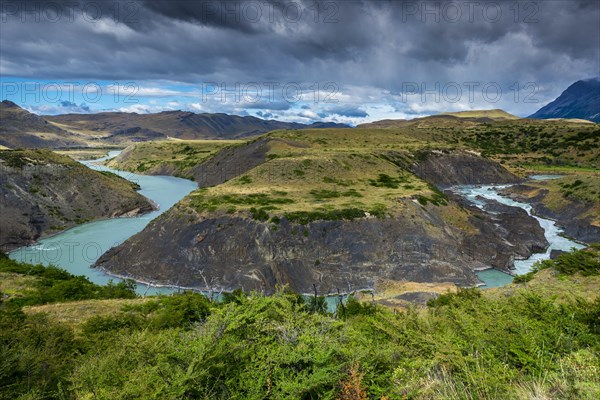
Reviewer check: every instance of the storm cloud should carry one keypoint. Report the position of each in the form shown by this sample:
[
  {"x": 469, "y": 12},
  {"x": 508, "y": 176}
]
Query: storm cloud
[{"x": 364, "y": 55}]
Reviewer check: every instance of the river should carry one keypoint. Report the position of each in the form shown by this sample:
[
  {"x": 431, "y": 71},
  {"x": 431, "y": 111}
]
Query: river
[
  {"x": 494, "y": 277},
  {"x": 78, "y": 248}
]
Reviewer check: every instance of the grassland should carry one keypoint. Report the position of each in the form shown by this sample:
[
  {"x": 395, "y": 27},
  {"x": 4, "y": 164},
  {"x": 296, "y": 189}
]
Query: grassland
[
  {"x": 177, "y": 157},
  {"x": 322, "y": 174},
  {"x": 492, "y": 114},
  {"x": 87, "y": 153}
]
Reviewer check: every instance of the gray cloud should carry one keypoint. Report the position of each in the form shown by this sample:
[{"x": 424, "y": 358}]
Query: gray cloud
[
  {"x": 379, "y": 45},
  {"x": 344, "y": 111}
]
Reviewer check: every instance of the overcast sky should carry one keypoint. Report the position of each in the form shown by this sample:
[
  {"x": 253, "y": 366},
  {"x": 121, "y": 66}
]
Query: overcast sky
[{"x": 300, "y": 60}]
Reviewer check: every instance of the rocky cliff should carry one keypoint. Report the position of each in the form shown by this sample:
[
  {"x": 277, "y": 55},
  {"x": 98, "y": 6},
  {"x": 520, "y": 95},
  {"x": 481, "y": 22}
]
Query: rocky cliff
[
  {"x": 578, "y": 217},
  {"x": 456, "y": 167},
  {"x": 43, "y": 193}
]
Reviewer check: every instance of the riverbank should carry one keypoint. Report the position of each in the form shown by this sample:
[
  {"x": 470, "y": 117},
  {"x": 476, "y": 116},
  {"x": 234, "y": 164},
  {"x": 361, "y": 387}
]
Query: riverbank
[{"x": 77, "y": 249}]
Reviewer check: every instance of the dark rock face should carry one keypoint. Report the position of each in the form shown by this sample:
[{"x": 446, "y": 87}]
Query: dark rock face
[
  {"x": 568, "y": 218},
  {"x": 231, "y": 162},
  {"x": 580, "y": 100},
  {"x": 517, "y": 227},
  {"x": 555, "y": 253},
  {"x": 417, "y": 297},
  {"x": 444, "y": 169},
  {"x": 42, "y": 193},
  {"x": 221, "y": 251}
]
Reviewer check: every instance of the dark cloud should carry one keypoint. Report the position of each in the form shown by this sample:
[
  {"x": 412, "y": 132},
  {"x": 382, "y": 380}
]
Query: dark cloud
[
  {"x": 264, "y": 115},
  {"x": 73, "y": 107},
  {"x": 380, "y": 45},
  {"x": 344, "y": 111}
]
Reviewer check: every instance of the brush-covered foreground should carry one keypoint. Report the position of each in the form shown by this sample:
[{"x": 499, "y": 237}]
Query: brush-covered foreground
[{"x": 510, "y": 343}]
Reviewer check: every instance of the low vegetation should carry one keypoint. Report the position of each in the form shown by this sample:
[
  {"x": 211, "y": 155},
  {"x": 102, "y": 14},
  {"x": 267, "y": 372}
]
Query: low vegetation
[
  {"x": 302, "y": 182},
  {"x": 340, "y": 173},
  {"x": 468, "y": 344},
  {"x": 174, "y": 157}
]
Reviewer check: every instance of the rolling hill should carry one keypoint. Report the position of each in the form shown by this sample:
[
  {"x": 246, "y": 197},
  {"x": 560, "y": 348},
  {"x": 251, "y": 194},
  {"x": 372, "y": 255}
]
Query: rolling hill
[
  {"x": 21, "y": 129},
  {"x": 495, "y": 114}
]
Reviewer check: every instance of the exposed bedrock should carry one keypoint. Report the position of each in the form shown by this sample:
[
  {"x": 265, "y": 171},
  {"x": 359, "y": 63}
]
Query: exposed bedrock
[
  {"x": 576, "y": 217},
  {"x": 455, "y": 167},
  {"x": 229, "y": 252}
]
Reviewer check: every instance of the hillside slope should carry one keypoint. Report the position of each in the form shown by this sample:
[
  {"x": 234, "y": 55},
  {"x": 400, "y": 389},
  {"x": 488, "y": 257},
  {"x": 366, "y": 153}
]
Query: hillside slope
[
  {"x": 43, "y": 193},
  {"x": 495, "y": 114},
  {"x": 21, "y": 129}
]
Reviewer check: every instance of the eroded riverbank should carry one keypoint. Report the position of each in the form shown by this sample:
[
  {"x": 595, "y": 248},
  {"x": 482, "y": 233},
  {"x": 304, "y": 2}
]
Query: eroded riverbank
[
  {"x": 78, "y": 248},
  {"x": 484, "y": 195}
]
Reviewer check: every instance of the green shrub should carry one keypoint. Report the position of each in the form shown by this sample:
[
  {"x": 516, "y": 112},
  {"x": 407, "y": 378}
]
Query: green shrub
[{"x": 387, "y": 181}]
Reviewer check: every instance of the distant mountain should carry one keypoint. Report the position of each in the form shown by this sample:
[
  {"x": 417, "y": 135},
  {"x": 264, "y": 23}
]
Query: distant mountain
[
  {"x": 581, "y": 100},
  {"x": 21, "y": 129},
  {"x": 319, "y": 125},
  {"x": 121, "y": 126}
]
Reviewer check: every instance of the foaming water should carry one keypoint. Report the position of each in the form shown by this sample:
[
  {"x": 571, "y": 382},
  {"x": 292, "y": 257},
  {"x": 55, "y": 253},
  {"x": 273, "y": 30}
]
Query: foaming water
[{"x": 553, "y": 234}]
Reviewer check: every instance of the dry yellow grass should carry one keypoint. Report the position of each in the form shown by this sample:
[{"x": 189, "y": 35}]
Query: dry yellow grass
[
  {"x": 74, "y": 313},
  {"x": 387, "y": 292},
  {"x": 16, "y": 285},
  {"x": 493, "y": 114},
  {"x": 87, "y": 154}
]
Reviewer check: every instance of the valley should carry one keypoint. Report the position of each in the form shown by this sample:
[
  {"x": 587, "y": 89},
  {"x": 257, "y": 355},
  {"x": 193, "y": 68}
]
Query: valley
[
  {"x": 44, "y": 193},
  {"x": 299, "y": 200},
  {"x": 341, "y": 209},
  {"x": 389, "y": 220}
]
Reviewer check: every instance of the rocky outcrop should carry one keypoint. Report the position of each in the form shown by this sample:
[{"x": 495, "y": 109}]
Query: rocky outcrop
[
  {"x": 457, "y": 167},
  {"x": 571, "y": 218},
  {"x": 43, "y": 193},
  {"x": 220, "y": 251}
]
